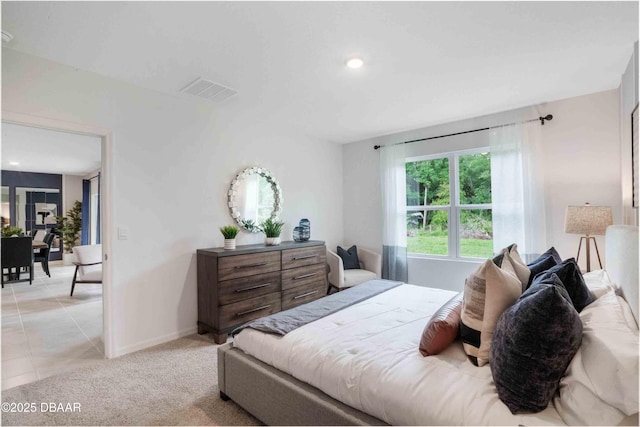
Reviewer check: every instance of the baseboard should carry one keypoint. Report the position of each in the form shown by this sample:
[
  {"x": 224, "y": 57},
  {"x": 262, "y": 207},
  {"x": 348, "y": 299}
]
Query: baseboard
[{"x": 154, "y": 341}]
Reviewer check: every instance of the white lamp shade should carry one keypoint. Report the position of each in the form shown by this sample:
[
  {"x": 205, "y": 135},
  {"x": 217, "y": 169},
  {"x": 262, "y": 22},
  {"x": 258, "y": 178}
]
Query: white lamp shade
[{"x": 587, "y": 220}]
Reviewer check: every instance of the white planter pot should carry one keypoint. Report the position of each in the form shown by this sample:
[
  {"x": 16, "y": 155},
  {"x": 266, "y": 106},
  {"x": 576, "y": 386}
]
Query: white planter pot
[
  {"x": 68, "y": 259},
  {"x": 272, "y": 241},
  {"x": 229, "y": 243}
]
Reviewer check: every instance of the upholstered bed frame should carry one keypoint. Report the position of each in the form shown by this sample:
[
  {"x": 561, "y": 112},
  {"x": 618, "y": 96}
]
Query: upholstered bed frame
[{"x": 276, "y": 398}]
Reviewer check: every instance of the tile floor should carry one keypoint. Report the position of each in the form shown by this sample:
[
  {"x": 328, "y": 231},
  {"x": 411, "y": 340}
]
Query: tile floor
[{"x": 45, "y": 331}]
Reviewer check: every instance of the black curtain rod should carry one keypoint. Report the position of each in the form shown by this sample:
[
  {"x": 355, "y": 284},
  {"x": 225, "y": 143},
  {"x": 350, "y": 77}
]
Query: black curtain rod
[{"x": 548, "y": 117}]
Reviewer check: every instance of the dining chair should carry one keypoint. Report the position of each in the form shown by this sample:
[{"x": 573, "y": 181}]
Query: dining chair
[
  {"x": 42, "y": 255},
  {"x": 17, "y": 253}
]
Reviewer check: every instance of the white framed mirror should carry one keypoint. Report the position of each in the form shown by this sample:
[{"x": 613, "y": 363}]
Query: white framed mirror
[{"x": 254, "y": 196}]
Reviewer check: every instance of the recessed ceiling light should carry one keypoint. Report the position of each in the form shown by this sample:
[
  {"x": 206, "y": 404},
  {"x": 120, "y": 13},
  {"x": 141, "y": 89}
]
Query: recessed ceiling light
[
  {"x": 355, "y": 63},
  {"x": 14, "y": 163},
  {"x": 6, "y": 36}
]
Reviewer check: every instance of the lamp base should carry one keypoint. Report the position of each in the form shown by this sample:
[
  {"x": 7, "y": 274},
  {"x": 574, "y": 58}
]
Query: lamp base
[{"x": 588, "y": 250}]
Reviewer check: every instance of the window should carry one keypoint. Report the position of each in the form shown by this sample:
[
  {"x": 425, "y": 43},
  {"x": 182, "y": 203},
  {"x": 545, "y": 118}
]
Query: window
[{"x": 449, "y": 205}]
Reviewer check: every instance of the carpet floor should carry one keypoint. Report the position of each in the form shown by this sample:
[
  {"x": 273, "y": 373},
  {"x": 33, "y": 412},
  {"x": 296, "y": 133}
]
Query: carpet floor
[{"x": 175, "y": 383}]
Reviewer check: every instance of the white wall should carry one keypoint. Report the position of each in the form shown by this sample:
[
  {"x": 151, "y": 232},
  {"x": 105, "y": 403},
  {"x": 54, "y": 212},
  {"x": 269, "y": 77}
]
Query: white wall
[
  {"x": 581, "y": 163},
  {"x": 71, "y": 191},
  {"x": 173, "y": 160}
]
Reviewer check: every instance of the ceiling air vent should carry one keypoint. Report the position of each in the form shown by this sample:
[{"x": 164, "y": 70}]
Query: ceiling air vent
[{"x": 208, "y": 90}]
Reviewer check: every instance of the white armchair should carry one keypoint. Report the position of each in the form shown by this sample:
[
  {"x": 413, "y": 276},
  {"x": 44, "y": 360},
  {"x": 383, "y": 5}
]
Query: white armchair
[
  {"x": 370, "y": 268},
  {"x": 88, "y": 265}
]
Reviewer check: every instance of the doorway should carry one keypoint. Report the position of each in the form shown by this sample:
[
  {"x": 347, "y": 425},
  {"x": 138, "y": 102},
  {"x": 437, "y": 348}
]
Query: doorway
[{"x": 45, "y": 334}]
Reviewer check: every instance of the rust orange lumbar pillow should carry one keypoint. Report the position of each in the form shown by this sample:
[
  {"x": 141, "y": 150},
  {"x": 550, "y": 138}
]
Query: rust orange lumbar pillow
[{"x": 442, "y": 328}]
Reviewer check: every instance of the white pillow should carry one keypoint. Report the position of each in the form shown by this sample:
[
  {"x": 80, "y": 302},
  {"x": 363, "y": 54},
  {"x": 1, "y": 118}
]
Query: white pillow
[
  {"x": 608, "y": 354},
  {"x": 598, "y": 282}
]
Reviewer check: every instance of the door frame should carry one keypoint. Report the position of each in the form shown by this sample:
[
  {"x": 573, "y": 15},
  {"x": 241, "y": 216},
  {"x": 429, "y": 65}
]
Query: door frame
[{"x": 106, "y": 205}]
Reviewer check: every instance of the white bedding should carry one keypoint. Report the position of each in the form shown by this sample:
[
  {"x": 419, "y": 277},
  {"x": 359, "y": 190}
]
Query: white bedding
[{"x": 367, "y": 357}]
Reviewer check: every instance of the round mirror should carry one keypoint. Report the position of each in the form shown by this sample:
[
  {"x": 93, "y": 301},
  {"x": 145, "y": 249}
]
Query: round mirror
[{"x": 254, "y": 196}]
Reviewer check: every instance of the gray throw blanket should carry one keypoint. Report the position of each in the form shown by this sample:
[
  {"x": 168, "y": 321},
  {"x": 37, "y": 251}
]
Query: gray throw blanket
[{"x": 286, "y": 321}]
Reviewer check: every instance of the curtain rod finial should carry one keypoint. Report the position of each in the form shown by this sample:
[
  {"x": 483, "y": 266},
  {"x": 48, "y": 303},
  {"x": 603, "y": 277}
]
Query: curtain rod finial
[
  {"x": 548, "y": 118},
  {"x": 375, "y": 147}
]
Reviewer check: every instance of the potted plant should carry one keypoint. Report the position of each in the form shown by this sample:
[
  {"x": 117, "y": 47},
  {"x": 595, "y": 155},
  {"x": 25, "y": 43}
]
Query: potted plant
[
  {"x": 11, "y": 231},
  {"x": 69, "y": 227},
  {"x": 229, "y": 232},
  {"x": 272, "y": 229}
]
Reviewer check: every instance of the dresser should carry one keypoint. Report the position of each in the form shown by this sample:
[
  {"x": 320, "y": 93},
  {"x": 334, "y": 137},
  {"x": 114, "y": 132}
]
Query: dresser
[{"x": 252, "y": 281}]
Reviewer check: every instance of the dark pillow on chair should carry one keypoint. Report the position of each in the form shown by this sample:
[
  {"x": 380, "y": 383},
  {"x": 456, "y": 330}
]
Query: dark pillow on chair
[
  {"x": 533, "y": 344},
  {"x": 539, "y": 265},
  {"x": 569, "y": 273},
  {"x": 349, "y": 257}
]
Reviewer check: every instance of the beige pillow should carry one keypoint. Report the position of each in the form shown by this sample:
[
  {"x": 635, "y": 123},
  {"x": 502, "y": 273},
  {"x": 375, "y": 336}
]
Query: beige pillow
[
  {"x": 443, "y": 327},
  {"x": 487, "y": 293},
  {"x": 519, "y": 266}
]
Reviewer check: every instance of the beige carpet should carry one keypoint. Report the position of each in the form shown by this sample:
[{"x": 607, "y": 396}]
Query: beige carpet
[{"x": 171, "y": 384}]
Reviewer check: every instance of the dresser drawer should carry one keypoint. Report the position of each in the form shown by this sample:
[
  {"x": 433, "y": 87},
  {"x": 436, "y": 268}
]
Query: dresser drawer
[
  {"x": 233, "y": 267},
  {"x": 248, "y": 287},
  {"x": 292, "y": 258},
  {"x": 243, "y": 311},
  {"x": 303, "y": 276},
  {"x": 302, "y": 294}
]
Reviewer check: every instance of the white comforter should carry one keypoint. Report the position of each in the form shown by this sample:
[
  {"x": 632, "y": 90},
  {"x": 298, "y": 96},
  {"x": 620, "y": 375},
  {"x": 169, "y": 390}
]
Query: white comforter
[{"x": 367, "y": 357}]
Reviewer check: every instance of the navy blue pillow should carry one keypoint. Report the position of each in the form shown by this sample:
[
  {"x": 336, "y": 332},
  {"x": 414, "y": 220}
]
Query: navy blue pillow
[
  {"x": 349, "y": 257},
  {"x": 570, "y": 275},
  {"x": 552, "y": 252},
  {"x": 540, "y": 265},
  {"x": 533, "y": 344}
]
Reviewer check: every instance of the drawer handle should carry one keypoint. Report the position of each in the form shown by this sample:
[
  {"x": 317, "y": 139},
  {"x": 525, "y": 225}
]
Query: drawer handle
[
  {"x": 250, "y": 266},
  {"x": 242, "y": 313},
  {"x": 252, "y": 287},
  {"x": 304, "y": 276},
  {"x": 306, "y": 295},
  {"x": 296, "y": 258}
]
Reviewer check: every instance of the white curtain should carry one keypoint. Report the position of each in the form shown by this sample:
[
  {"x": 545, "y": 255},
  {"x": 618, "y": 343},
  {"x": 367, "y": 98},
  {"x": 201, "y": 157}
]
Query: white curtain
[
  {"x": 517, "y": 188},
  {"x": 394, "y": 219}
]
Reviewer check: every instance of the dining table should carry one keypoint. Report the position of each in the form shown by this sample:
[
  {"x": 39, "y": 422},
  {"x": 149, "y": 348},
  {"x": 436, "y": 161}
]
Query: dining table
[{"x": 38, "y": 244}]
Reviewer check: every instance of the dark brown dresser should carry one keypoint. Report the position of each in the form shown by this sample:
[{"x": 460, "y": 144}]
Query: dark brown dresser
[{"x": 252, "y": 281}]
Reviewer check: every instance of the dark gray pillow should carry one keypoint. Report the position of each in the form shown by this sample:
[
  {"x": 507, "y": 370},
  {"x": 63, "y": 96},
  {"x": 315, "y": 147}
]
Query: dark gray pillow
[
  {"x": 569, "y": 273},
  {"x": 550, "y": 252},
  {"x": 540, "y": 265},
  {"x": 533, "y": 344},
  {"x": 349, "y": 257}
]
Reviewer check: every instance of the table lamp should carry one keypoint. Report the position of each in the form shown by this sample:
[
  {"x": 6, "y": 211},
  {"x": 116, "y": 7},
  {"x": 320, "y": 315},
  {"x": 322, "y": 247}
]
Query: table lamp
[{"x": 589, "y": 221}]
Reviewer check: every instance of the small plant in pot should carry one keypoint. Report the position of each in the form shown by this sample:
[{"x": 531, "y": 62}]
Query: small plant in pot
[
  {"x": 10, "y": 231},
  {"x": 272, "y": 229},
  {"x": 229, "y": 232}
]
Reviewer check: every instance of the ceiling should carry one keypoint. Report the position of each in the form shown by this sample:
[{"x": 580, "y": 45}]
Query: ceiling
[
  {"x": 49, "y": 151},
  {"x": 425, "y": 62}
]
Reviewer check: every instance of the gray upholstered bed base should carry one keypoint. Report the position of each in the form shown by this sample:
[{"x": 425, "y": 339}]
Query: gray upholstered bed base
[{"x": 276, "y": 398}]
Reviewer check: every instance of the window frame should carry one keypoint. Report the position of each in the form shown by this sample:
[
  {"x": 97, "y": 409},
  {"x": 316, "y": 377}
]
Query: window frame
[{"x": 453, "y": 209}]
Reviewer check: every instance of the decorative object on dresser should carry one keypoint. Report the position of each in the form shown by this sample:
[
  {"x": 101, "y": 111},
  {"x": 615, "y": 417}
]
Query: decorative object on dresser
[
  {"x": 254, "y": 196},
  {"x": 229, "y": 232},
  {"x": 589, "y": 221},
  {"x": 252, "y": 281},
  {"x": 302, "y": 232},
  {"x": 272, "y": 229}
]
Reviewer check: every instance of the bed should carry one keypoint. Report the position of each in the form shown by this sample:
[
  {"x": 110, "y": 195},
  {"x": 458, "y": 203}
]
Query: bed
[{"x": 360, "y": 366}]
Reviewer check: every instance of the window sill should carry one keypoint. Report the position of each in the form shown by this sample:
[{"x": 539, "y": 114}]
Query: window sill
[{"x": 446, "y": 258}]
